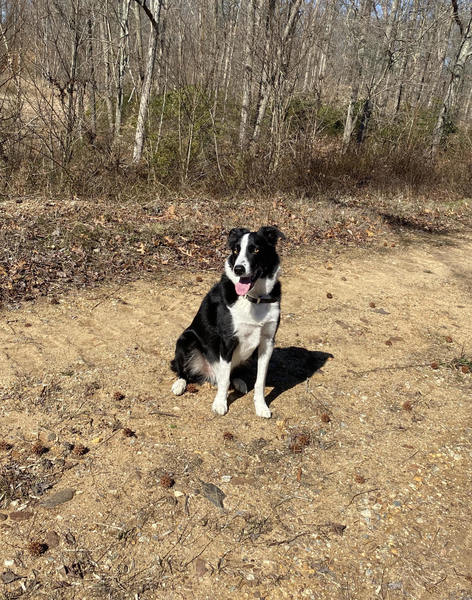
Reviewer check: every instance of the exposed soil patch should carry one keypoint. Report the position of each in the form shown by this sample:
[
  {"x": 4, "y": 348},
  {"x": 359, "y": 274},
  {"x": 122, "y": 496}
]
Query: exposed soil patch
[{"x": 358, "y": 487}]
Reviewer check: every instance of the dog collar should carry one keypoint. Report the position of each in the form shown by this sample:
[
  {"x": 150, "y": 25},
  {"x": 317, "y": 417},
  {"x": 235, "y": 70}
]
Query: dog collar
[{"x": 261, "y": 299}]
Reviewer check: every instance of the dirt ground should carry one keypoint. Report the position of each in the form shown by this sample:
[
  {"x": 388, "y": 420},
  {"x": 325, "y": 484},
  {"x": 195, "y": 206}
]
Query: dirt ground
[{"x": 358, "y": 487}]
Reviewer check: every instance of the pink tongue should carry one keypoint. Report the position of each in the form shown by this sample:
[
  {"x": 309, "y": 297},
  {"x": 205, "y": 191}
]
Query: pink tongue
[{"x": 242, "y": 288}]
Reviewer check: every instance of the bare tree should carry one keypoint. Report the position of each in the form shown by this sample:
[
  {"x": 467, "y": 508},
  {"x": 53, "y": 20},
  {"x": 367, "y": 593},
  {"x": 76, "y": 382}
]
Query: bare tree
[
  {"x": 123, "y": 17},
  {"x": 155, "y": 11},
  {"x": 276, "y": 57},
  {"x": 251, "y": 25},
  {"x": 228, "y": 76},
  {"x": 464, "y": 51}
]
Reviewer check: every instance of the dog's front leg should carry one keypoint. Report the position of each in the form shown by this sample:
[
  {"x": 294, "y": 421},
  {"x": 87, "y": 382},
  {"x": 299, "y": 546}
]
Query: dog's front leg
[
  {"x": 220, "y": 403},
  {"x": 264, "y": 353}
]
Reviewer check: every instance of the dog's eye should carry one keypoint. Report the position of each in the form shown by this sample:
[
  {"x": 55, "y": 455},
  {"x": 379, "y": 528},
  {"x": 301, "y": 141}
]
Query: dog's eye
[
  {"x": 255, "y": 251},
  {"x": 235, "y": 250}
]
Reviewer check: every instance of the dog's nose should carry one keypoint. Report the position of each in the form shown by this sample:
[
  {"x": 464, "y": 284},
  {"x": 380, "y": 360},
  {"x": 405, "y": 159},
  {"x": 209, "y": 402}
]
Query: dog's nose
[{"x": 239, "y": 270}]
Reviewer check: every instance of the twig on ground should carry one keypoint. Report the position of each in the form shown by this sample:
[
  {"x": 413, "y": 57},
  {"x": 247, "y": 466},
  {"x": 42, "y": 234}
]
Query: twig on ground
[
  {"x": 164, "y": 414},
  {"x": 289, "y": 540},
  {"x": 360, "y": 494}
]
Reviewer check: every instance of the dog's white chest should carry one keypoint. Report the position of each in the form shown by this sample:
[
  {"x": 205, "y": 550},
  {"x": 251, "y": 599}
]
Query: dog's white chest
[{"x": 251, "y": 322}]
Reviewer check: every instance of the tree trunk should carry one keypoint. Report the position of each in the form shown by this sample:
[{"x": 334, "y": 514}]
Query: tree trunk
[
  {"x": 107, "y": 71},
  {"x": 448, "y": 105},
  {"x": 122, "y": 63},
  {"x": 93, "y": 81},
  {"x": 248, "y": 53},
  {"x": 278, "y": 66},
  {"x": 157, "y": 8},
  {"x": 360, "y": 27}
]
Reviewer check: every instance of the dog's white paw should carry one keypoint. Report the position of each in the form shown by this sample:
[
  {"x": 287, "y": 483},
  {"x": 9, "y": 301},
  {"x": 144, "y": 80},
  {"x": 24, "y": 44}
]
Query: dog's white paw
[
  {"x": 220, "y": 407},
  {"x": 179, "y": 387},
  {"x": 240, "y": 386},
  {"x": 262, "y": 410}
]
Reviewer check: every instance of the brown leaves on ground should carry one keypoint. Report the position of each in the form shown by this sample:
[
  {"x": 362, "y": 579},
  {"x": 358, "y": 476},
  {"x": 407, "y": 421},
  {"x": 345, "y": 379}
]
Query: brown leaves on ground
[
  {"x": 36, "y": 548},
  {"x": 80, "y": 450},
  {"x": 91, "y": 241},
  {"x": 298, "y": 441},
  {"x": 166, "y": 481},
  {"x": 38, "y": 448},
  {"x": 127, "y": 432}
]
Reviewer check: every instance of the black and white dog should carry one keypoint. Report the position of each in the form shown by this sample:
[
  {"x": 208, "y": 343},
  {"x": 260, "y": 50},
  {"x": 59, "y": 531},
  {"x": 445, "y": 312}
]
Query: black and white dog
[{"x": 240, "y": 314}]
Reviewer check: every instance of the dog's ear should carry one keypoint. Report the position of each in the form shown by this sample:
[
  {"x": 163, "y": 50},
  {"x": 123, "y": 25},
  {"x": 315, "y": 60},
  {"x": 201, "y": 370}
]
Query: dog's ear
[
  {"x": 235, "y": 234},
  {"x": 271, "y": 234}
]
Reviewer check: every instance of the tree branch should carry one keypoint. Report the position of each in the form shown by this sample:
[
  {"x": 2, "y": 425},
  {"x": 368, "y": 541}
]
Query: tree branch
[
  {"x": 148, "y": 11},
  {"x": 457, "y": 19}
]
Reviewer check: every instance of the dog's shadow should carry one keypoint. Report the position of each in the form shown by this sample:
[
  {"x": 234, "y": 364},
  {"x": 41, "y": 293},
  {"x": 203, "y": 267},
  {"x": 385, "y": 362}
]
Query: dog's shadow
[{"x": 287, "y": 368}]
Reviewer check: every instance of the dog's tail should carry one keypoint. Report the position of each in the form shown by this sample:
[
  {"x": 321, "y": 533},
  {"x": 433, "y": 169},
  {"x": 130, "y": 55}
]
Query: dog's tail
[{"x": 187, "y": 343}]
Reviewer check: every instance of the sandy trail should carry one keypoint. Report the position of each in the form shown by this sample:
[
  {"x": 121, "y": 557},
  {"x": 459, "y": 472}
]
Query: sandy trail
[{"x": 377, "y": 505}]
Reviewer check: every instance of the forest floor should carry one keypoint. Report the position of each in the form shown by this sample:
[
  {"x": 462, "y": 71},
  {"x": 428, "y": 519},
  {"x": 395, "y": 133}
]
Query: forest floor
[{"x": 358, "y": 487}]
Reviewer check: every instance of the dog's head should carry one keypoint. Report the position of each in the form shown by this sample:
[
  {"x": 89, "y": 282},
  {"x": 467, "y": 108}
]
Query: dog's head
[{"x": 253, "y": 256}]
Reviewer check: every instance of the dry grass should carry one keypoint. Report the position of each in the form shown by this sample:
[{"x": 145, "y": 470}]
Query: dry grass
[{"x": 47, "y": 246}]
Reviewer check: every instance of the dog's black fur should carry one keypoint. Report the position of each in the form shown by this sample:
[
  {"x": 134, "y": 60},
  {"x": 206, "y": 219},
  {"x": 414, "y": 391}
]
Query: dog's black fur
[{"x": 212, "y": 330}]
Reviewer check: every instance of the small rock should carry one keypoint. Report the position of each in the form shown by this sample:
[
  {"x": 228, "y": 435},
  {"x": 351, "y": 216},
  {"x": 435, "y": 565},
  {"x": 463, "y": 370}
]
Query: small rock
[
  {"x": 20, "y": 515},
  {"x": 67, "y": 448},
  {"x": 381, "y": 311},
  {"x": 9, "y": 576},
  {"x": 70, "y": 539},
  {"x": 226, "y": 478},
  {"x": 243, "y": 481},
  {"x": 3, "y": 517},
  {"x": 200, "y": 567},
  {"x": 337, "y": 528},
  {"x": 213, "y": 494},
  {"x": 59, "y": 498},
  {"x": 52, "y": 539},
  {"x": 395, "y": 585},
  {"x": 367, "y": 514}
]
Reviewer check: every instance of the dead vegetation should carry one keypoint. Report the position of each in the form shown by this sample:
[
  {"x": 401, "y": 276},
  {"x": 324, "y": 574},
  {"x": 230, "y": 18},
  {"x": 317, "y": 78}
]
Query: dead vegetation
[{"x": 47, "y": 247}]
